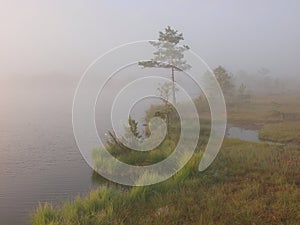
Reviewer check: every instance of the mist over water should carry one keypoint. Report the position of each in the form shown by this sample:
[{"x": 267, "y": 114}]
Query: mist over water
[
  {"x": 47, "y": 45},
  {"x": 39, "y": 159}
]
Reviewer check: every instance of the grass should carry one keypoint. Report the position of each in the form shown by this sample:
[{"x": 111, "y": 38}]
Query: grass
[
  {"x": 260, "y": 110},
  {"x": 248, "y": 183},
  {"x": 281, "y": 132}
]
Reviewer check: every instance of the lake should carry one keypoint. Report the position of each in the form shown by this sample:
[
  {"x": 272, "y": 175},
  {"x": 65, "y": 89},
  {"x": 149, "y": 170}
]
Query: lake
[{"x": 39, "y": 159}]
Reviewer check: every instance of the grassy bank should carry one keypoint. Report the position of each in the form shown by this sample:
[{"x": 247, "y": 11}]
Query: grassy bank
[
  {"x": 260, "y": 110},
  {"x": 281, "y": 132},
  {"x": 248, "y": 183}
]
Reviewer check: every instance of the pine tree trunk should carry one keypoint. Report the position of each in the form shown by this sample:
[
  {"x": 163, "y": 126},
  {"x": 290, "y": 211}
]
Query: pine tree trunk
[{"x": 173, "y": 85}]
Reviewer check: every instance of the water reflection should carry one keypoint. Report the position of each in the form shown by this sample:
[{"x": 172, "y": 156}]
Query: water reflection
[{"x": 243, "y": 134}]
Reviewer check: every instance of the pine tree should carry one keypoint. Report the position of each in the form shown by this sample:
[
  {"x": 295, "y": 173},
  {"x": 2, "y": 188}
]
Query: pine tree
[
  {"x": 225, "y": 80},
  {"x": 169, "y": 54}
]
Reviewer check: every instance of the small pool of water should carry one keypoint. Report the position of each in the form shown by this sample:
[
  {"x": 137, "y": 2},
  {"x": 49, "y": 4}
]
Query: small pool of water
[
  {"x": 243, "y": 134},
  {"x": 249, "y": 135}
]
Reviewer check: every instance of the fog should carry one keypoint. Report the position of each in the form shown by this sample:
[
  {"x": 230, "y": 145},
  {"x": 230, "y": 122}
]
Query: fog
[
  {"x": 41, "y": 39},
  {"x": 45, "y": 47}
]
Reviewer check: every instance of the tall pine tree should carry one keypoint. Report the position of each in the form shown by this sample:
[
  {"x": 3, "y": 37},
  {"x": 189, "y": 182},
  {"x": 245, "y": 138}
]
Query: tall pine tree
[{"x": 169, "y": 54}]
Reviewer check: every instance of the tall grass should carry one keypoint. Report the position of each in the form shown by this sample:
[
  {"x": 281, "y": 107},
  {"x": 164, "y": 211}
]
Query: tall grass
[
  {"x": 248, "y": 183},
  {"x": 288, "y": 131}
]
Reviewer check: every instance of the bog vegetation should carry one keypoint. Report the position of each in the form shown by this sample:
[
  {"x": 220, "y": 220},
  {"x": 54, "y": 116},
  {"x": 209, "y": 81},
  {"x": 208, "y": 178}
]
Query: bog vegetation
[{"x": 248, "y": 183}]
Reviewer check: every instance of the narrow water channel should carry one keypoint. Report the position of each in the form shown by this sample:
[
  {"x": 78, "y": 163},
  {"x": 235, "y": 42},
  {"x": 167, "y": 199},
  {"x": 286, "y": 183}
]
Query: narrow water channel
[{"x": 249, "y": 135}]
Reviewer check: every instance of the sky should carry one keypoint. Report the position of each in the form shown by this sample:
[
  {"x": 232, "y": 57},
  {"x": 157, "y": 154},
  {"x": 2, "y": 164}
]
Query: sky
[{"x": 50, "y": 37}]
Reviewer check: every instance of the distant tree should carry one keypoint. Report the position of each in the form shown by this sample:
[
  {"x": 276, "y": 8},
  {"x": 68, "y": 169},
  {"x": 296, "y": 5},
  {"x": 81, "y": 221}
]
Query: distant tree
[
  {"x": 263, "y": 71},
  {"x": 266, "y": 79},
  {"x": 165, "y": 91},
  {"x": 169, "y": 54},
  {"x": 242, "y": 91},
  {"x": 225, "y": 80}
]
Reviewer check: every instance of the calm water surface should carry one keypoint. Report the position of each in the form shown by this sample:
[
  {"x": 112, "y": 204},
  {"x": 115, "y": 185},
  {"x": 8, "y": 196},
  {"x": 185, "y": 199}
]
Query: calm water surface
[
  {"x": 39, "y": 159},
  {"x": 242, "y": 134},
  {"x": 250, "y": 135}
]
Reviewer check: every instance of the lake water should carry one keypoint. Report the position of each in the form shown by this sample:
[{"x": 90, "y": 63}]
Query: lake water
[{"x": 39, "y": 159}]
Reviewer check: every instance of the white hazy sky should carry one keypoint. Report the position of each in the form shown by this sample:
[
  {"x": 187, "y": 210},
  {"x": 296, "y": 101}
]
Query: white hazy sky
[{"x": 45, "y": 37}]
